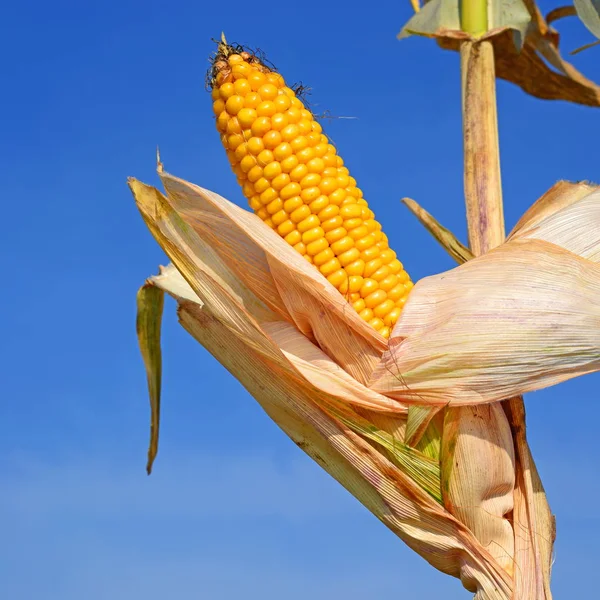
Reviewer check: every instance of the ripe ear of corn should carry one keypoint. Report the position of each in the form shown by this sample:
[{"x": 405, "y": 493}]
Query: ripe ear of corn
[{"x": 297, "y": 184}]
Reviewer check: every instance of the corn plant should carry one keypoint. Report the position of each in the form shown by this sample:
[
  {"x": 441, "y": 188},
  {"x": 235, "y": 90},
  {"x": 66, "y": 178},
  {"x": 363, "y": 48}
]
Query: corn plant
[{"x": 410, "y": 396}]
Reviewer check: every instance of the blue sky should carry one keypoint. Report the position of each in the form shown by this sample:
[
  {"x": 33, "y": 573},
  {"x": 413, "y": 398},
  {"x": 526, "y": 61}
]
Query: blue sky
[{"x": 233, "y": 508}]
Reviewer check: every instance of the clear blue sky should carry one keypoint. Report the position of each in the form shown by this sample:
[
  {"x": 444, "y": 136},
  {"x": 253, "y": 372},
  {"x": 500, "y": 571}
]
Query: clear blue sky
[{"x": 233, "y": 509}]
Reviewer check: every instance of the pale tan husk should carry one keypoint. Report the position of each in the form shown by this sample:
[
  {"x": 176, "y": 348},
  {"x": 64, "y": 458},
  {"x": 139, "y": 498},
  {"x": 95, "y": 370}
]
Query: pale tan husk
[{"x": 336, "y": 388}]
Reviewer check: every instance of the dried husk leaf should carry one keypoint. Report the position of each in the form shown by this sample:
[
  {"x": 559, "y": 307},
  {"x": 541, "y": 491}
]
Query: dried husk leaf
[
  {"x": 380, "y": 485},
  {"x": 239, "y": 340},
  {"x": 279, "y": 276},
  {"x": 478, "y": 476},
  {"x": 564, "y": 229},
  {"x": 533, "y": 522},
  {"x": 202, "y": 268},
  {"x": 561, "y": 195},
  {"x": 520, "y": 318}
]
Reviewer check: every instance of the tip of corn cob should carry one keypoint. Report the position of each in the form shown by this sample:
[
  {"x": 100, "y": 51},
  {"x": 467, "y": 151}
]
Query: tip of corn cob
[{"x": 297, "y": 184}]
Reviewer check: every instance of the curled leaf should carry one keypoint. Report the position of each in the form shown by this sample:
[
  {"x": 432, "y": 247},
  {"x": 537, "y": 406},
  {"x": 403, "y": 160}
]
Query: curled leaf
[{"x": 459, "y": 252}]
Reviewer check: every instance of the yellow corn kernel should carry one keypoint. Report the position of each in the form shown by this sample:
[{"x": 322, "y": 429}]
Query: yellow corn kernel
[
  {"x": 381, "y": 273},
  {"x": 261, "y": 185},
  {"x": 312, "y": 235},
  {"x": 337, "y": 278},
  {"x": 324, "y": 255},
  {"x": 300, "y": 214},
  {"x": 396, "y": 292},
  {"x": 347, "y": 257},
  {"x": 310, "y": 194},
  {"x": 366, "y": 314},
  {"x": 376, "y": 323},
  {"x": 358, "y": 305},
  {"x": 286, "y": 227},
  {"x": 342, "y": 245},
  {"x": 330, "y": 266},
  {"x": 329, "y": 211},
  {"x": 368, "y": 287},
  {"x": 319, "y": 204},
  {"x": 372, "y": 266},
  {"x": 331, "y": 223},
  {"x": 382, "y": 309},
  {"x": 290, "y": 190},
  {"x": 357, "y": 233},
  {"x": 293, "y": 237},
  {"x": 280, "y": 181},
  {"x": 317, "y": 246},
  {"x": 268, "y": 196},
  {"x": 356, "y": 268},
  {"x": 389, "y": 282},
  {"x": 392, "y": 316},
  {"x": 272, "y": 170},
  {"x": 276, "y": 206},
  {"x": 279, "y": 217},
  {"x": 298, "y": 185},
  {"x": 311, "y": 222},
  {"x": 300, "y": 247},
  {"x": 335, "y": 234}
]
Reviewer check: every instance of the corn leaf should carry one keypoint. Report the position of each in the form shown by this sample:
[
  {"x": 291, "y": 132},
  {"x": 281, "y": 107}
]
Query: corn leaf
[
  {"x": 150, "y": 302},
  {"x": 458, "y": 251}
]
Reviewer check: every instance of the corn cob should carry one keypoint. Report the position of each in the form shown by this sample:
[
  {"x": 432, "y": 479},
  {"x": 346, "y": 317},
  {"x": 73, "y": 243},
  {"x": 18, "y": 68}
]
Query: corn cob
[{"x": 297, "y": 184}]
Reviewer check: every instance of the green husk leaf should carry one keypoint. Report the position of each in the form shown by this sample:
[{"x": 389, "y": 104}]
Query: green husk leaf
[
  {"x": 417, "y": 422},
  {"x": 430, "y": 443},
  {"x": 422, "y": 469},
  {"x": 150, "y": 302}
]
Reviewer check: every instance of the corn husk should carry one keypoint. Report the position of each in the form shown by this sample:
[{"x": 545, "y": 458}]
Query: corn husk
[
  {"x": 373, "y": 415},
  {"x": 308, "y": 394}
]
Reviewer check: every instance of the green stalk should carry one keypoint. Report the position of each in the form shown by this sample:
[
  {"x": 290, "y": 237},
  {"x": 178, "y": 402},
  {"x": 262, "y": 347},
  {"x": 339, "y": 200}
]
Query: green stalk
[{"x": 473, "y": 16}]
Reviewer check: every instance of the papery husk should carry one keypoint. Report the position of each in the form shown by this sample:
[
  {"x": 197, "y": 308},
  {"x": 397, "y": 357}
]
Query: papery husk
[
  {"x": 478, "y": 476},
  {"x": 279, "y": 276},
  {"x": 533, "y": 522},
  {"x": 520, "y": 318},
  {"x": 296, "y": 385}
]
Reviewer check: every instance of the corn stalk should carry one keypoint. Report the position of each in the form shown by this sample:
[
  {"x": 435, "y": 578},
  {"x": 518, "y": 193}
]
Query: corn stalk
[{"x": 479, "y": 496}]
